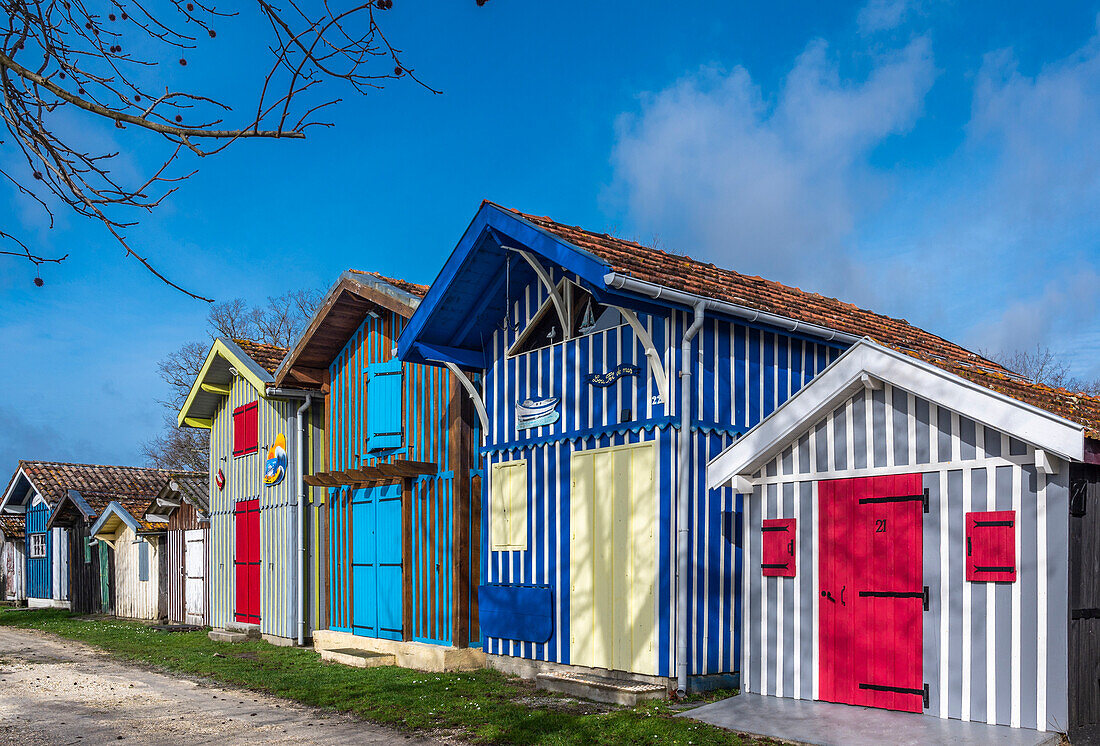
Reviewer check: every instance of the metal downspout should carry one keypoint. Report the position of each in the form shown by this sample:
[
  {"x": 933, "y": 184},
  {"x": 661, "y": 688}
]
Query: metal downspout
[
  {"x": 301, "y": 486},
  {"x": 682, "y": 500}
]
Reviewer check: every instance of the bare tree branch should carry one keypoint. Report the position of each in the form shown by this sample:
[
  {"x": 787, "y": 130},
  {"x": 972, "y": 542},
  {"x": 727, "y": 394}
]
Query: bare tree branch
[{"x": 58, "y": 56}]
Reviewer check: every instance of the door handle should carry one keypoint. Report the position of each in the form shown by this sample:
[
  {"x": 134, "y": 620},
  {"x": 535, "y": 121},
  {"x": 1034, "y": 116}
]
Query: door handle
[
  {"x": 828, "y": 595},
  {"x": 842, "y": 595}
]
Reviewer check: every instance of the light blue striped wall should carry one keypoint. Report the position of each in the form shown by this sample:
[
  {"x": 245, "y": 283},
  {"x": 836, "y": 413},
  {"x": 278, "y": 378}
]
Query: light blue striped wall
[{"x": 39, "y": 571}]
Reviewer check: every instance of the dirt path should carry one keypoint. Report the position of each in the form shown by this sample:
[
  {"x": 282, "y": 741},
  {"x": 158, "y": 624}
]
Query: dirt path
[{"x": 53, "y": 691}]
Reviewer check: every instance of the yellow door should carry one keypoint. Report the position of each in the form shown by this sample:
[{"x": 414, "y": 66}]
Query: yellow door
[{"x": 613, "y": 559}]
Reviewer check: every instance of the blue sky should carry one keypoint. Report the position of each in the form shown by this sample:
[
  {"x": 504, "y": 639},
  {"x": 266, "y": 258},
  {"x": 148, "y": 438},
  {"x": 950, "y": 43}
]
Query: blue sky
[{"x": 938, "y": 161}]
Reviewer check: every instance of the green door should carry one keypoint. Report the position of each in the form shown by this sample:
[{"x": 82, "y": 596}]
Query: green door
[{"x": 105, "y": 576}]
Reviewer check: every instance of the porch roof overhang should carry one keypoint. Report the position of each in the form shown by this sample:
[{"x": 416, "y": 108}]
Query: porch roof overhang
[
  {"x": 348, "y": 302},
  {"x": 71, "y": 506},
  {"x": 19, "y": 493},
  {"x": 467, "y": 300},
  {"x": 215, "y": 378},
  {"x": 112, "y": 522},
  {"x": 866, "y": 364},
  {"x": 366, "y": 475}
]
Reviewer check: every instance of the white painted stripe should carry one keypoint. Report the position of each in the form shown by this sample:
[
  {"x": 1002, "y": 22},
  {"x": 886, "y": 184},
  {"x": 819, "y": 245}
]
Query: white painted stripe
[
  {"x": 966, "y": 623},
  {"x": 990, "y": 614},
  {"x": 888, "y": 397},
  {"x": 780, "y": 592},
  {"x": 945, "y": 599},
  {"x": 816, "y": 664},
  {"x": 850, "y": 441},
  {"x": 800, "y": 568},
  {"x": 869, "y": 426},
  {"x": 1017, "y": 504},
  {"x": 746, "y": 602},
  {"x": 763, "y": 597},
  {"x": 903, "y": 469},
  {"x": 1041, "y": 577}
]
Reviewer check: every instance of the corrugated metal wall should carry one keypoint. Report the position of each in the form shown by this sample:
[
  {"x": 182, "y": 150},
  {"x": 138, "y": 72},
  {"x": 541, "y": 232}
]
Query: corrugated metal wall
[
  {"x": 993, "y": 652},
  {"x": 278, "y": 506},
  {"x": 741, "y": 375},
  {"x": 135, "y": 598},
  {"x": 428, "y": 413},
  {"x": 39, "y": 570}
]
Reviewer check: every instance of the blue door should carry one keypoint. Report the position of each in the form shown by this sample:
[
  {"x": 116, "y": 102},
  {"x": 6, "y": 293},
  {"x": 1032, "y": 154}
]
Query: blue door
[
  {"x": 39, "y": 552},
  {"x": 376, "y": 562}
]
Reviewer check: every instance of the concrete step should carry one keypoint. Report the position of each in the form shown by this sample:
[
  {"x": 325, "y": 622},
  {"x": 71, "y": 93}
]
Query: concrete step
[
  {"x": 224, "y": 635},
  {"x": 357, "y": 658},
  {"x": 599, "y": 688}
]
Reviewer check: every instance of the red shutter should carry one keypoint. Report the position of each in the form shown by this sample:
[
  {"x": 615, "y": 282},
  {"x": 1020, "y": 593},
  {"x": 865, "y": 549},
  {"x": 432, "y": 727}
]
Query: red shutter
[
  {"x": 245, "y": 429},
  {"x": 991, "y": 546},
  {"x": 778, "y": 555}
]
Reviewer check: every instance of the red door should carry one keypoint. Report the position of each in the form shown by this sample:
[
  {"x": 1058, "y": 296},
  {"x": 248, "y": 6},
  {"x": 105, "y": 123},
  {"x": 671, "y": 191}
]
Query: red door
[
  {"x": 871, "y": 637},
  {"x": 247, "y": 561}
]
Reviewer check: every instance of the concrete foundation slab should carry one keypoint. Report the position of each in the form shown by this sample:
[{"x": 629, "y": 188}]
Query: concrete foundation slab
[
  {"x": 599, "y": 688},
  {"x": 224, "y": 635},
  {"x": 827, "y": 723},
  {"x": 418, "y": 655}
]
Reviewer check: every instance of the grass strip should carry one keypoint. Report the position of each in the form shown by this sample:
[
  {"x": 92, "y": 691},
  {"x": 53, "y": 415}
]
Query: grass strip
[{"x": 483, "y": 706}]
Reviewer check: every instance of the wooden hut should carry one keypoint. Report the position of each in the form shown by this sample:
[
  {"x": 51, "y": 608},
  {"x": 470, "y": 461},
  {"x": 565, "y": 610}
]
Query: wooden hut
[
  {"x": 139, "y": 557},
  {"x": 182, "y": 507},
  {"x": 13, "y": 558},
  {"x": 607, "y": 374},
  {"x": 920, "y": 535},
  {"x": 399, "y": 523},
  {"x": 36, "y": 488},
  {"x": 257, "y": 532},
  {"x": 91, "y": 564}
]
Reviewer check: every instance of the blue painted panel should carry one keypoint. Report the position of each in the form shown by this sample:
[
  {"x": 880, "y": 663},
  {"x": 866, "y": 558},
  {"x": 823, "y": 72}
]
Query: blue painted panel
[
  {"x": 384, "y": 405},
  {"x": 516, "y": 612},
  {"x": 376, "y": 562},
  {"x": 39, "y": 577}
]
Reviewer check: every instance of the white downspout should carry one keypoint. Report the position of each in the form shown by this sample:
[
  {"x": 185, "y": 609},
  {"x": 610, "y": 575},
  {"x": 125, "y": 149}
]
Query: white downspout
[
  {"x": 301, "y": 487},
  {"x": 682, "y": 500}
]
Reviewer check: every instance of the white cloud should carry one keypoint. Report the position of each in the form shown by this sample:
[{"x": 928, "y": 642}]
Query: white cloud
[
  {"x": 995, "y": 242},
  {"x": 719, "y": 169},
  {"x": 882, "y": 15}
]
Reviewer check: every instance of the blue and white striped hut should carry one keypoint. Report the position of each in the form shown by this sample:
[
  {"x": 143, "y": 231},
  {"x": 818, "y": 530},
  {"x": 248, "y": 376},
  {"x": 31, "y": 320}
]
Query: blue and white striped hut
[{"x": 607, "y": 375}]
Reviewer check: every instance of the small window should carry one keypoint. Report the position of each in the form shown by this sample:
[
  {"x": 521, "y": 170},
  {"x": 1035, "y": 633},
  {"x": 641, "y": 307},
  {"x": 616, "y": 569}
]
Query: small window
[
  {"x": 584, "y": 314},
  {"x": 778, "y": 547},
  {"x": 37, "y": 546},
  {"x": 246, "y": 429},
  {"x": 991, "y": 546},
  {"x": 508, "y": 514},
  {"x": 143, "y": 559}
]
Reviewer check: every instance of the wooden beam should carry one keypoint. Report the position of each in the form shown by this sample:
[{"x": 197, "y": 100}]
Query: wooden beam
[
  {"x": 410, "y": 468},
  {"x": 406, "y": 560},
  {"x": 216, "y": 388},
  {"x": 313, "y": 481},
  {"x": 311, "y": 376},
  {"x": 198, "y": 422}
]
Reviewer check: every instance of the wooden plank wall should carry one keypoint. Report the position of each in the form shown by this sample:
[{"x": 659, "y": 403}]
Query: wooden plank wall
[
  {"x": 183, "y": 518},
  {"x": 84, "y": 588},
  {"x": 439, "y": 527},
  {"x": 1084, "y": 597}
]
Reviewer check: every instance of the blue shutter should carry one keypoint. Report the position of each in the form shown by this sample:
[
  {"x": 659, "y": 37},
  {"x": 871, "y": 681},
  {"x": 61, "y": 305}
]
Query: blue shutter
[
  {"x": 384, "y": 406},
  {"x": 143, "y": 560}
]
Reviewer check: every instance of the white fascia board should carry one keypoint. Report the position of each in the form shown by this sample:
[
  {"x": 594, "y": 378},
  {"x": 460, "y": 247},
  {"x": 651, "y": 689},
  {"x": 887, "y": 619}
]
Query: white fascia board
[
  {"x": 845, "y": 375},
  {"x": 11, "y": 488}
]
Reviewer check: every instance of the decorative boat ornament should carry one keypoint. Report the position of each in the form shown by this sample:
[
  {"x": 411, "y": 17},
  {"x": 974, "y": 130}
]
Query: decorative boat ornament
[{"x": 537, "y": 412}]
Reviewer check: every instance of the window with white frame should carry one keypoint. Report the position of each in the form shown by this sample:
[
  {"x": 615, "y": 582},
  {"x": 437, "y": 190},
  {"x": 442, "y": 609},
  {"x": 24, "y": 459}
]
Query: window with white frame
[{"x": 36, "y": 547}]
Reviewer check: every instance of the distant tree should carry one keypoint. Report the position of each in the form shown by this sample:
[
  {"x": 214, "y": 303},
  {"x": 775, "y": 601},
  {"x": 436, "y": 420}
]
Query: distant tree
[
  {"x": 1043, "y": 365},
  {"x": 66, "y": 63},
  {"x": 279, "y": 322}
]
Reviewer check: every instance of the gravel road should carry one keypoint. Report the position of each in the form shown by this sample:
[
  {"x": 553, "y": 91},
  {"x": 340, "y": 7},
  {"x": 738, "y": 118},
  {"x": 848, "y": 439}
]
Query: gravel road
[{"x": 53, "y": 691}]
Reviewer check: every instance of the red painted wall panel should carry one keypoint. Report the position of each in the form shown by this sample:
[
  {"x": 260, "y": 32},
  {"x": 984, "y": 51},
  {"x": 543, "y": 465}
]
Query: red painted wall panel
[{"x": 778, "y": 547}]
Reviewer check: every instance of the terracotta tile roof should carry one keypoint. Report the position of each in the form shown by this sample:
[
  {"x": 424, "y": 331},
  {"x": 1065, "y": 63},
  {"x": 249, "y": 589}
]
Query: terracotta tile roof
[
  {"x": 11, "y": 526},
  {"x": 409, "y": 287},
  {"x": 53, "y": 479},
  {"x": 266, "y": 356},
  {"x": 706, "y": 280}
]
